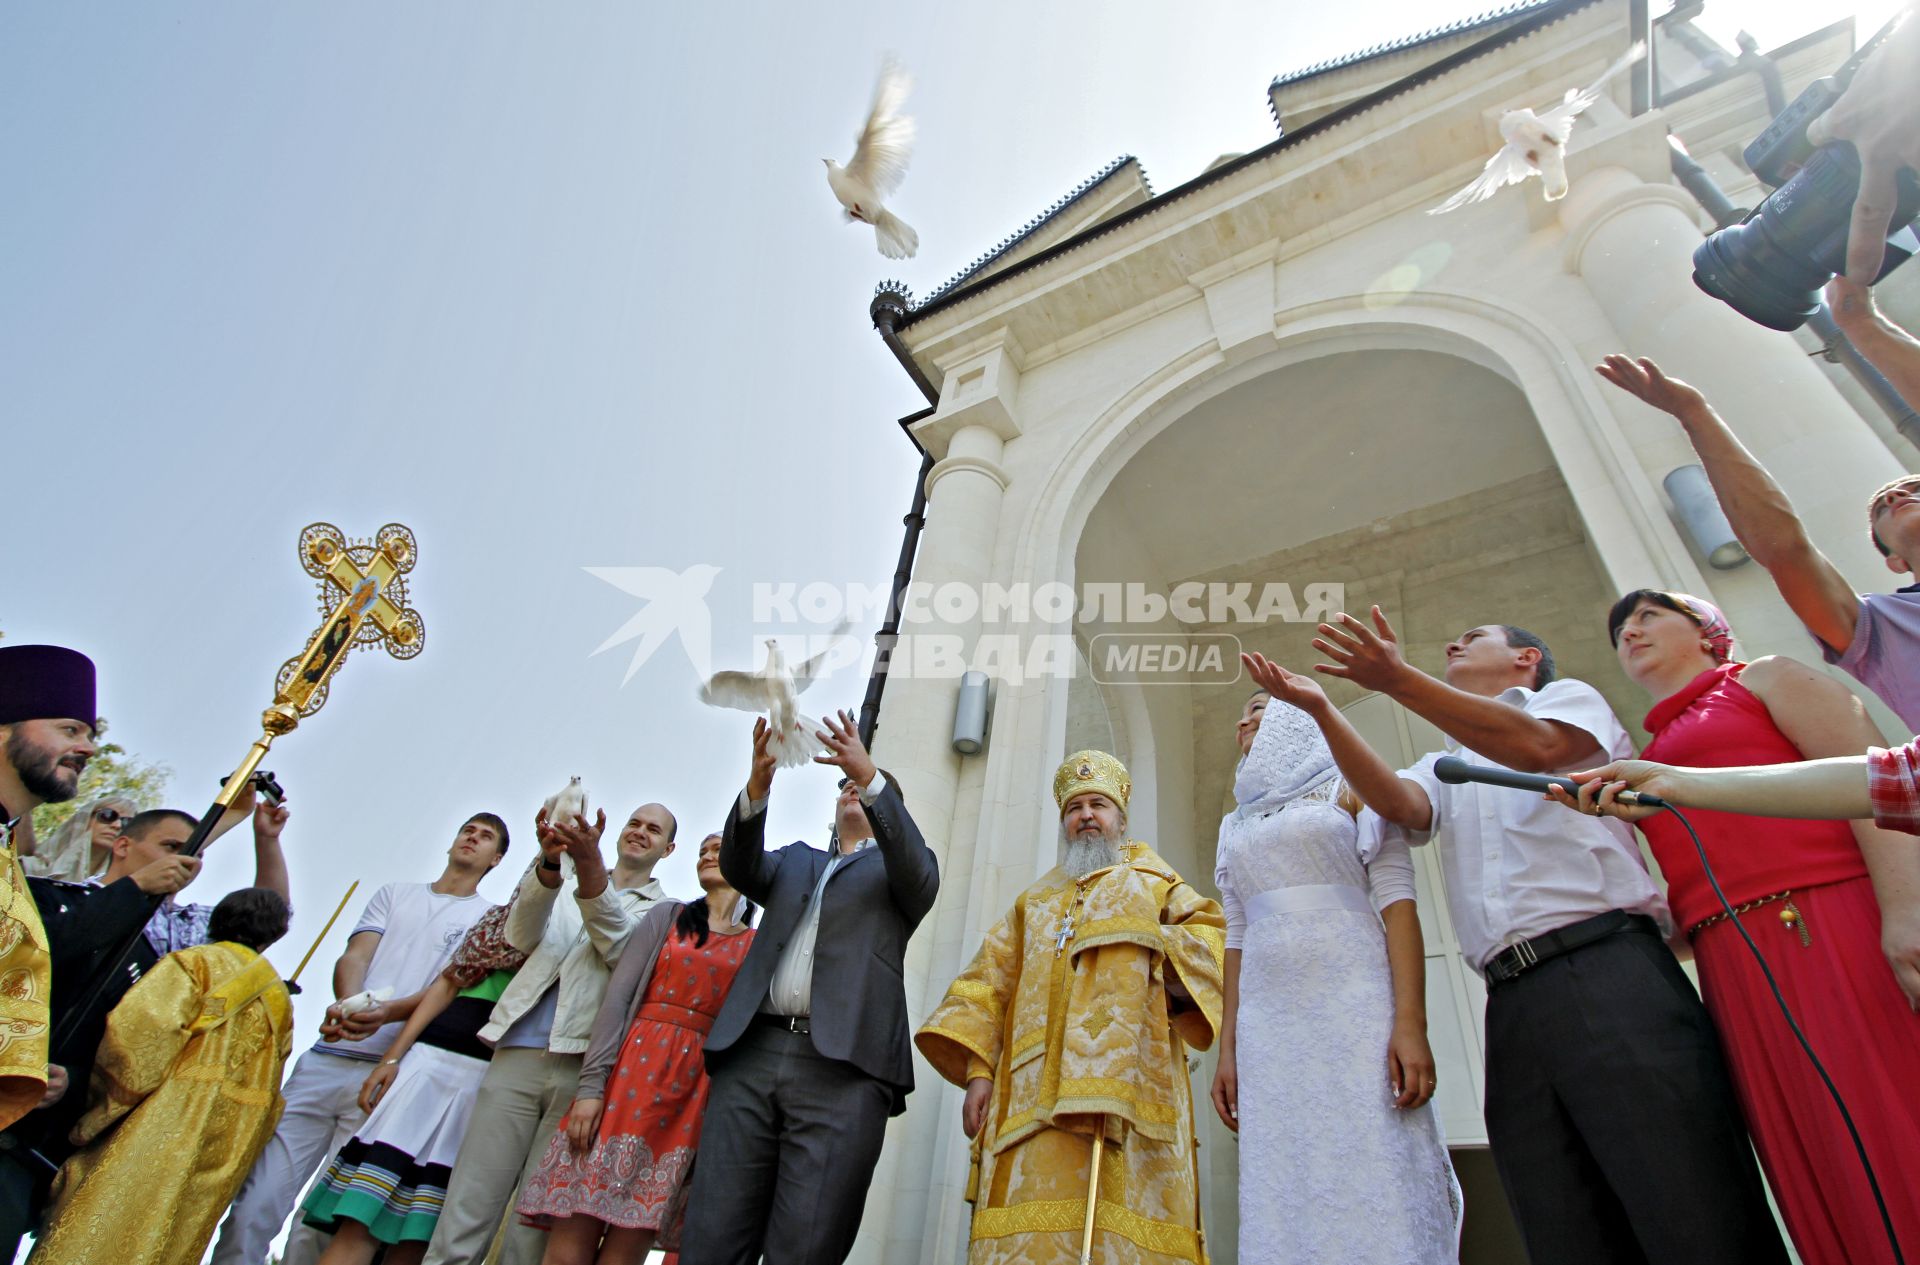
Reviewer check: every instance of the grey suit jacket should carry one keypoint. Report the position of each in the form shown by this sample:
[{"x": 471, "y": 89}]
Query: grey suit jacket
[{"x": 870, "y": 907}]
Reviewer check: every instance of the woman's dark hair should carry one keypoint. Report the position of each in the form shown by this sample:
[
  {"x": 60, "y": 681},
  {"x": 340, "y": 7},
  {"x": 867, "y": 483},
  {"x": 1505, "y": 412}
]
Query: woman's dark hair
[
  {"x": 692, "y": 922},
  {"x": 253, "y": 916},
  {"x": 1617, "y": 616}
]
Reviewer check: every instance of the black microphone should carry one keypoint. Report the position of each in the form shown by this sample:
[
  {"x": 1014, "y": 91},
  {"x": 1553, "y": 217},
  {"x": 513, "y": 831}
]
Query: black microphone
[{"x": 1454, "y": 770}]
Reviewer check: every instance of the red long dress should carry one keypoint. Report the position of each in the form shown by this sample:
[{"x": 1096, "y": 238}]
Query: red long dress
[
  {"x": 1837, "y": 982},
  {"x": 636, "y": 1173}
]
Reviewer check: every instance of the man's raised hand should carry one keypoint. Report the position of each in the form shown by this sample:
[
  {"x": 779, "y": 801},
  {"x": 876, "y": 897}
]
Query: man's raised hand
[
  {"x": 845, "y": 751},
  {"x": 578, "y": 837},
  {"x": 1643, "y": 380},
  {"x": 269, "y": 820},
  {"x": 1369, "y": 657},
  {"x": 760, "y": 772}
]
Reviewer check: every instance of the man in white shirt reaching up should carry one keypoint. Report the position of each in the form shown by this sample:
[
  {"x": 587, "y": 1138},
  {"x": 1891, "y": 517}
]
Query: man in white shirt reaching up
[{"x": 401, "y": 941}]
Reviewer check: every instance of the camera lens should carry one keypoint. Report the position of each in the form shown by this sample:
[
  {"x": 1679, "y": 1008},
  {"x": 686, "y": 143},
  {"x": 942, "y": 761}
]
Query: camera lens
[{"x": 1771, "y": 267}]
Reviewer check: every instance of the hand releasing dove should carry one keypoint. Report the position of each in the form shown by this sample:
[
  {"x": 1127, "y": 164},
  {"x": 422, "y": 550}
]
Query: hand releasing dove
[
  {"x": 879, "y": 163},
  {"x": 1536, "y": 144},
  {"x": 773, "y": 691},
  {"x": 567, "y": 803},
  {"x": 363, "y": 1001}
]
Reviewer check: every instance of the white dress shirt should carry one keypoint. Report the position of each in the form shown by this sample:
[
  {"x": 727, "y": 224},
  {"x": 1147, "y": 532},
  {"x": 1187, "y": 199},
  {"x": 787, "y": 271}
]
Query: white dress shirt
[
  {"x": 790, "y": 992},
  {"x": 1516, "y": 864}
]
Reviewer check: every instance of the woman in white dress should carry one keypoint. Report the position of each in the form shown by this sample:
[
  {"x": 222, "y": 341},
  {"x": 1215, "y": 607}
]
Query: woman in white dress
[{"x": 1325, "y": 1072}]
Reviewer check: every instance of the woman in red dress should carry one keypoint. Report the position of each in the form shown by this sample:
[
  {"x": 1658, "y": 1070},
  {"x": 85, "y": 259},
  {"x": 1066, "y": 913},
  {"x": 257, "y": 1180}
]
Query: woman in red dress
[
  {"x": 614, "y": 1178},
  {"x": 1813, "y": 895}
]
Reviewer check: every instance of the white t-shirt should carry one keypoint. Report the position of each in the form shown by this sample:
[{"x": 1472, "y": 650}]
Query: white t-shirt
[
  {"x": 419, "y": 930},
  {"x": 1517, "y": 865}
]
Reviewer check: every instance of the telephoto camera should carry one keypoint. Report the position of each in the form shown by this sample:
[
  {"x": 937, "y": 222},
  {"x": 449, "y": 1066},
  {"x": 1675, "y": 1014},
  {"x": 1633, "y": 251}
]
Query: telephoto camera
[{"x": 1772, "y": 266}]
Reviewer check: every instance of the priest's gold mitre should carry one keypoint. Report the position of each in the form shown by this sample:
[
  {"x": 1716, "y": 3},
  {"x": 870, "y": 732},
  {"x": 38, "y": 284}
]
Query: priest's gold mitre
[{"x": 1085, "y": 771}]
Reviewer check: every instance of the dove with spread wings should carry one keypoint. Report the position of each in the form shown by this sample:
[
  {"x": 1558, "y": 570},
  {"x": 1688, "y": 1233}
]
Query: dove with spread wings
[
  {"x": 1536, "y": 144},
  {"x": 773, "y": 692},
  {"x": 878, "y": 165}
]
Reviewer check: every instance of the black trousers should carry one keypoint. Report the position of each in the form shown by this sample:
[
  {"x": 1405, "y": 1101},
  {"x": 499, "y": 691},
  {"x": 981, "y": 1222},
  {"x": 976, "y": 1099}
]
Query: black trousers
[
  {"x": 1612, "y": 1119},
  {"x": 22, "y": 1194},
  {"x": 786, "y": 1155}
]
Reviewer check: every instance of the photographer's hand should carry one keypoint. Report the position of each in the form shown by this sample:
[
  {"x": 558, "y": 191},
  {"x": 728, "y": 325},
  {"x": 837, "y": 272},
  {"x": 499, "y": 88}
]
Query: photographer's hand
[{"x": 1879, "y": 114}]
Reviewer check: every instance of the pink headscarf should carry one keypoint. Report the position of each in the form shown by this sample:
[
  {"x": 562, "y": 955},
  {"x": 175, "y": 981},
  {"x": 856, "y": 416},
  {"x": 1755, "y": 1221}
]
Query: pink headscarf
[{"x": 1714, "y": 628}]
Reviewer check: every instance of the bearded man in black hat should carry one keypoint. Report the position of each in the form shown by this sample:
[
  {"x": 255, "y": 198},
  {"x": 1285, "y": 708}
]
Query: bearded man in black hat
[{"x": 46, "y": 738}]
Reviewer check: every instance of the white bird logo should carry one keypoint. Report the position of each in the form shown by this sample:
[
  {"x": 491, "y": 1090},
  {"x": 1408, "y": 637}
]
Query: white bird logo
[
  {"x": 773, "y": 692},
  {"x": 568, "y": 802},
  {"x": 879, "y": 163},
  {"x": 1536, "y": 144},
  {"x": 676, "y": 602}
]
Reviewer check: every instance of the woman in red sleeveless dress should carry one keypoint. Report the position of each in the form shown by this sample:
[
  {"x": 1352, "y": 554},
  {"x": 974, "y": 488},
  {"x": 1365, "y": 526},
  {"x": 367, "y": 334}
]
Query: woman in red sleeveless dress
[
  {"x": 1806, "y": 892},
  {"x": 614, "y": 1178}
]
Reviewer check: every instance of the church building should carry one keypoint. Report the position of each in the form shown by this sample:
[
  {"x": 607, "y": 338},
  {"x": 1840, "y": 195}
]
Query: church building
[{"x": 1207, "y": 416}]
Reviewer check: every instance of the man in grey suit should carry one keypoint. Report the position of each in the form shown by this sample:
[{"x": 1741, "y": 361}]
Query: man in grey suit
[{"x": 810, "y": 1053}]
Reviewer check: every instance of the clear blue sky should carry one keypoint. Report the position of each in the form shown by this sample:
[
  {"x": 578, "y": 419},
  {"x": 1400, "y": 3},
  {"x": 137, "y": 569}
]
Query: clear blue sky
[{"x": 556, "y": 285}]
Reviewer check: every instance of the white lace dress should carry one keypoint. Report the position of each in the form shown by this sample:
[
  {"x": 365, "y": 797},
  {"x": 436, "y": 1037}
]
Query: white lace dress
[{"x": 1330, "y": 1169}]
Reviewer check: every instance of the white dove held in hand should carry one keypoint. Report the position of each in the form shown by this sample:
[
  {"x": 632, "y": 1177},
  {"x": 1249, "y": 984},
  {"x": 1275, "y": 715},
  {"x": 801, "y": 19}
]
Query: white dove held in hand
[
  {"x": 363, "y": 1001},
  {"x": 1536, "y": 144},
  {"x": 568, "y": 803},
  {"x": 774, "y": 692},
  {"x": 879, "y": 163}
]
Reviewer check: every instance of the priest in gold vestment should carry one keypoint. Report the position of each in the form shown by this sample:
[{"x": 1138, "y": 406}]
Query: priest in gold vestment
[
  {"x": 185, "y": 1094},
  {"x": 47, "y": 722},
  {"x": 1076, "y": 1016}
]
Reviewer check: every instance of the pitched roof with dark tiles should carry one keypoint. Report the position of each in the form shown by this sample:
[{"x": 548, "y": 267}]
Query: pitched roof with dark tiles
[
  {"x": 1035, "y": 224},
  {"x": 1405, "y": 43}
]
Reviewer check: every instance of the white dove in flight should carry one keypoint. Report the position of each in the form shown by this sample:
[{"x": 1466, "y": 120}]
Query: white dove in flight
[
  {"x": 879, "y": 163},
  {"x": 676, "y": 602},
  {"x": 773, "y": 692},
  {"x": 1536, "y": 144},
  {"x": 568, "y": 802}
]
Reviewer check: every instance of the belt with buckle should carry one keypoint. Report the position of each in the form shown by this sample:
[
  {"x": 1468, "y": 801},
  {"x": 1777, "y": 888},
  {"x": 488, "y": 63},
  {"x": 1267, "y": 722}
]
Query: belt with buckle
[
  {"x": 796, "y": 1024},
  {"x": 1518, "y": 959}
]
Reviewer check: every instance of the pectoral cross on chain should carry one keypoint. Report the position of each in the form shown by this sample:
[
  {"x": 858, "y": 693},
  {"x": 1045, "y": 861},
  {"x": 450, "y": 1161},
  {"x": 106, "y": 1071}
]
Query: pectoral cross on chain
[{"x": 1063, "y": 937}]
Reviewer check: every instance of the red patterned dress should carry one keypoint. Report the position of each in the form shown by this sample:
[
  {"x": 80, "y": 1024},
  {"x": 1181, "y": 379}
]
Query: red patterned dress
[{"x": 635, "y": 1174}]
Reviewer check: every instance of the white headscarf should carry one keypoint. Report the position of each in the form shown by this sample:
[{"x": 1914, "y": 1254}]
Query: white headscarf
[
  {"x": 1288, "y": 758},
  {"x": 68, "y": 852}
]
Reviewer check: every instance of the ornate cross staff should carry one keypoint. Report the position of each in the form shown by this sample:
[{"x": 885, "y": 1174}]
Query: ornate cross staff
[{"x": 363, "y": 598}]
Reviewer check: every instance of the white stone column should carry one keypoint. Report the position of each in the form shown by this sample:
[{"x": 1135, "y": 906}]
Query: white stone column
[
  {"x": 1632, "y": 243},
  {"x": 965, "y": 491}
]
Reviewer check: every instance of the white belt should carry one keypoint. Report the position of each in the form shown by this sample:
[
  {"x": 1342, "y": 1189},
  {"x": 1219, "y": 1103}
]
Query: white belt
[{"x": 1302, "y": 900}]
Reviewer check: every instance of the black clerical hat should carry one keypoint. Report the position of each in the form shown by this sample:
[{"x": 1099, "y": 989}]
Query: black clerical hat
[{"x": 45, "y": 683}]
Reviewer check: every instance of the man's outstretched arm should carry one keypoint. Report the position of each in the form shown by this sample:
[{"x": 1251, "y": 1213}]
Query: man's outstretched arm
[{"x": 1756, "y": 507}]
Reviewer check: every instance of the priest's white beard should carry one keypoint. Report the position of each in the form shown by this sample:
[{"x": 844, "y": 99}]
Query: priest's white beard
[{"x": 1089, "y": 852}]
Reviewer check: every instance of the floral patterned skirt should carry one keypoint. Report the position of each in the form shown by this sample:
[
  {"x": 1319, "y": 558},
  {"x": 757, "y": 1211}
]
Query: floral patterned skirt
[{"x": 636, "y": 1173}]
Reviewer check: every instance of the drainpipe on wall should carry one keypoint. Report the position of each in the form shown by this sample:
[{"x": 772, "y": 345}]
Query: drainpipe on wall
[
  {"x": 888, "y": 308},
  {"x": 1836, "y": 347},
  {"x": 1640, "y": 75}
]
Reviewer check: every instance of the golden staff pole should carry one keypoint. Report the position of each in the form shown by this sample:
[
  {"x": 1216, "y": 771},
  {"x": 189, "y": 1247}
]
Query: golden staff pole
[
  {"x": 365, "y": 583},
  {"x": 1093, "y": 1192},
  {"x": 315, "y": 946}
]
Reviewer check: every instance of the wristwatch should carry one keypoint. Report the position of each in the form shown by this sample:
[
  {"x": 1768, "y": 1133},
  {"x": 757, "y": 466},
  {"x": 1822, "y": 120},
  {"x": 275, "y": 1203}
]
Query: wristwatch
[{"x": 548, "y": 863}]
